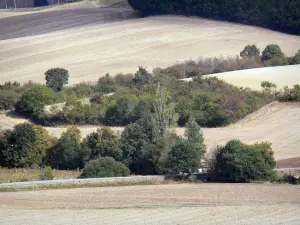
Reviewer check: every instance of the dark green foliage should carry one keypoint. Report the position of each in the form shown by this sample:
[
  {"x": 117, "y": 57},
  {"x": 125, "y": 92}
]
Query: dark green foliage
[
  {"x": 67, "y": 154},
  {"x": 142, "y": 77},
  {"x": 136, "y": 144},
  {"x": 119, "y": 114},
  {"x": 101, "y": 143},
  {"x": 105, "y": 167},
  {"x": 250, "y": 51},
  {"x": 238, "y": 162},
  {"x": 106, "y": 84},
  {"x": 183, "y": 158},
  {"x": 274, "y": 14},
  {"x": 16, "y": 144},
  {"x": 8, "y": 99},
  {"x": 272, "y": 52},
  {"x": 56, "y": 78},
  {"x": 34, "y": 99}
]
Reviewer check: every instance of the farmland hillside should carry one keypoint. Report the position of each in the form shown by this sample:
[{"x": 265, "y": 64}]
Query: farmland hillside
[{"x": 92, "y": 49}]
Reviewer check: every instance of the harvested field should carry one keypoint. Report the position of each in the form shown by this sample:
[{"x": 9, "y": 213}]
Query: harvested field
[
  {"x": 92, "y": 50},
  {"x": 157, "y": 204},
  {"x": 252, "y": 78},
  {"x": 278, "y": 123}
]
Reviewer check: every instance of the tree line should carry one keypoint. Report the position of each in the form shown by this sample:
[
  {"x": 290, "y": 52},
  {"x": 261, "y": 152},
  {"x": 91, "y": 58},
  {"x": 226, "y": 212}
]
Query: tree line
[{"x": 274, "y": 14}]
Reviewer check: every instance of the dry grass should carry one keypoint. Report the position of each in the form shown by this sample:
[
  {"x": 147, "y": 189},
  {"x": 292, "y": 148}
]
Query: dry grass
[{"x": 15, "y": 175}]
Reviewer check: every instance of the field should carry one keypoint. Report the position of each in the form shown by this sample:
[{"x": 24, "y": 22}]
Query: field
[
  {"x": 90, "y": 42},
  {"x": 161, "y": 204},
  {"x": 252, "y": 78}
]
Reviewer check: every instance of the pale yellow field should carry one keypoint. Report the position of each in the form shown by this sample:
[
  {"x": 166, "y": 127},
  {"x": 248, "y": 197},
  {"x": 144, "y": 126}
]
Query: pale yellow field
[
  {"x": 252, "y": 78},
  {"x": 278, "y": 123},
  {"x": 190, "y": 204},
  {"x": 91, "y": 51}
]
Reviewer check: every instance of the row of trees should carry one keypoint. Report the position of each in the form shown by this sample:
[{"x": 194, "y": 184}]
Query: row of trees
[{"x": 275, "y": 14}]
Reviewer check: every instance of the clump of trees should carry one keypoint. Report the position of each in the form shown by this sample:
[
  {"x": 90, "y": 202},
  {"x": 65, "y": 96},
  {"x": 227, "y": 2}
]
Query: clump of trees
[
  {"x": 239, "y": 162},
  {"x": 274, "y": 14}
]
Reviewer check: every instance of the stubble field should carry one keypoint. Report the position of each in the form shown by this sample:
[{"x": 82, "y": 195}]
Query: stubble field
[{"x": 162, "y": 204}]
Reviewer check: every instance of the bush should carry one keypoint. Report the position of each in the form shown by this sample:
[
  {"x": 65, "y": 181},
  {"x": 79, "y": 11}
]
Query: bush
[
  {"x": 183, "y": 158},
  {"x": 34, "y": 99},
  {"x": 105, "y": 167},
  {"x": 47, "y": 173},
  {"x": 250, "y": 51},
  {"x": 272, "y": 52},
  {"x": 56, "y": 78},
  {"x": 290, "y": 94},
  {"x": 16, "y": 145},
  {"x": 296, "y": 58},
  {"x": 238, "y": 162}
]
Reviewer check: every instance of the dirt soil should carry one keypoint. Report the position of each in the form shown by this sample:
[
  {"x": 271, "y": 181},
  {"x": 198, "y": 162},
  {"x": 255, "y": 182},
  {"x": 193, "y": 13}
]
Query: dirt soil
[
  {"x": 278, "y": 123},
  {"x": 89, "y": 47},
  {"x": 156, "y": 204}
]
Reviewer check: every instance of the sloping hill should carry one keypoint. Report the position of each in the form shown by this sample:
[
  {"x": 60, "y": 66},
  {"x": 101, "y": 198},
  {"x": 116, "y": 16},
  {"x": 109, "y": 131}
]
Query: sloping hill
[
  {"x": 278, "y": 123},
  {"x": 252, "y": 78},
  {"x": 90, "y": 51}
]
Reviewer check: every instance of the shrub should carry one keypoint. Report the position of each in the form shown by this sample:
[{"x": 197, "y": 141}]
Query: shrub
[
  {"x": 47, "y": 173},
  {"x": 272, "y": 52},
  {"x": 183, "y": 158},
  {"x": 296, "y": 58},
  {"x": 34, "y": 99},
  {"x": 105, "y": 167},
  {"x": 250, "y": 51},
  {"x": 16, "y": 145},
  {"x": 238, "y": 162},
  {"x": 56, "y": 78}
]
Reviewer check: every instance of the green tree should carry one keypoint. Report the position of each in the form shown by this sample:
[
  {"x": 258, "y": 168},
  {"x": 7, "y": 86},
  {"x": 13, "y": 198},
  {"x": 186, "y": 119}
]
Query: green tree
[
  {"x": 103, "y": 143},
  {"x": 142, "y": 77},
  {"x": 194, "y": 134},
  {"x": 34, "y": 99},
  {"x": 41, "y": 147},
  {"x": 68, "y": 152},
  {"x": 165, "y": 115},
  {"x": 56, "y": 78},
  {"x": 136, "y": 144},
  {"x": 272, "y": 52},
  {"x": 16, "y": 145},
  {"x": 105, "y": 167},
  {"x": 183, "y": 158},
  {"x": 250, "y": 51},
  {"x": 296, "y": 58},
  {"x": 238, "y": 162}
]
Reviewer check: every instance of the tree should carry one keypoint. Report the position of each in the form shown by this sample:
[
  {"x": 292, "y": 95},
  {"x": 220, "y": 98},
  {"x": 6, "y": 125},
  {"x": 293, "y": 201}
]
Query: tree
[
  {"x": 105, "y": 167},
  {"x": 296, "y": 58},
  {"x": 250, "y": 51},
  {"x": 183, "y": 158},
  {"x": 165, "y": 114},
  {"x": 268, "y": 86},
  {"x": 68, "y": 152},
  {"x": 136, "y": 144},
  {"x": 34, "y": 99},
  {"x": 272, "y": 52},
  {"x": 56, "y": 78},
  {"x": 238, "y": 162},
  {"x": 103, "y": 143},
  {"x": 41, "y": 147},
  {"x": 16, "y": 145},
  {"x": 194, "y": 134},
  {"x": 142, "y": 77}
]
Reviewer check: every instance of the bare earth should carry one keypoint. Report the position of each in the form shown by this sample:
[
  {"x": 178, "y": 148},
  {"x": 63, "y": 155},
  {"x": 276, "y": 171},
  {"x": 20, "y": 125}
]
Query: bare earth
[
  {"x": 278, "y": 123},
  {"x": 92, "y": 50},
  {"x": 157, "y": 204}
]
